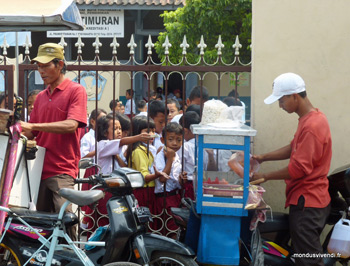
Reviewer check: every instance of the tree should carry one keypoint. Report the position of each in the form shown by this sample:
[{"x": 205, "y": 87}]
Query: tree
[{"x": 209, "y": 18}]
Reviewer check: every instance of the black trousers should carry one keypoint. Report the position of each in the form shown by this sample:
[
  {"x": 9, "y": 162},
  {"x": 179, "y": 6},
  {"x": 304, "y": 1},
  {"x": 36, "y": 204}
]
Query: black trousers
[{"x": 306, "y": 225}]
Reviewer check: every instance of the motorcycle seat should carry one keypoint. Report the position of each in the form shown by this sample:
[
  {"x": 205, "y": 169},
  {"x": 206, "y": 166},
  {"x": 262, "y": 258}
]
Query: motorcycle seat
[
  {"x": 81, "y": 198},
  {"x": 183, "y": 213},
  {"x": 279, "y": 222},
  {"x": 44, "y": 218}
]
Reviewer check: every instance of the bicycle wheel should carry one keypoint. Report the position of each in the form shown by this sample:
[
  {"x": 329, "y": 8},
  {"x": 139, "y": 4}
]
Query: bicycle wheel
[
  {"x": 171, "y": 259},
  {"x": 9, "y": 254},
  {"x": 122, "y": 264}
]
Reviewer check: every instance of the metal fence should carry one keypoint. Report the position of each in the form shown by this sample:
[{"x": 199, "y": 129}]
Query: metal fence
[{"x": 132, "y": 68}]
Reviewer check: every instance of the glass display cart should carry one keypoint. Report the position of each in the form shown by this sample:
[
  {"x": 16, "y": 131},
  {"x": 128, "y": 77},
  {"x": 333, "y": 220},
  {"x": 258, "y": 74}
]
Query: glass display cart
[{"x": 219, "y": 199}]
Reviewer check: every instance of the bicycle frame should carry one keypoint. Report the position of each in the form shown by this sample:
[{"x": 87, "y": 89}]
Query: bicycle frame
[{"x": 51, "y": 243}]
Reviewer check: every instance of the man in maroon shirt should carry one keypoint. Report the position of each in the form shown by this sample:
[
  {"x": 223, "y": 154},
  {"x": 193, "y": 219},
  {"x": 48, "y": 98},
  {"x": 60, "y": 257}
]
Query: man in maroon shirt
[
  {"x": 58, "y": 112},
  {"x": 309, "y": 155}
]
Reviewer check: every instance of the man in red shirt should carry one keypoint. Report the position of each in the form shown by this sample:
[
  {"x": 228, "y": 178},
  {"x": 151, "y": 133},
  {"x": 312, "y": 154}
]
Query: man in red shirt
[
  {"x": 58, "y": 112},
  {"x": 309, "y": 155}
]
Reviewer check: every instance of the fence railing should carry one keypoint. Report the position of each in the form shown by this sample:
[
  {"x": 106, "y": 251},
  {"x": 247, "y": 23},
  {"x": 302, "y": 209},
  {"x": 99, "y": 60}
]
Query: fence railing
[{"x": 213, "y": 73}]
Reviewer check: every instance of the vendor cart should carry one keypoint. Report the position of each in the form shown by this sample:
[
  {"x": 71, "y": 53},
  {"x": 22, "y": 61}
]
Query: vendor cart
[{"x": 219, "y": 200}]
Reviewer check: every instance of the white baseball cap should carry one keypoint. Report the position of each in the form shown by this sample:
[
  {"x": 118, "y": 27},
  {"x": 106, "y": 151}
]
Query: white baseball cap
[{"x": 285, "y": 84}]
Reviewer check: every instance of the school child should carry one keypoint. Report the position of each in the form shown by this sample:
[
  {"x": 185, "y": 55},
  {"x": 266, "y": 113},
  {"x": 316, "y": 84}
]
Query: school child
[
  {"x": 199, "y": 94},
  {"x": 110, "y": 140},
  {"x": 87, "y": 143},
  {"x": 109, "y": 137},
  {"x": 128, "y": 103},
  {"x": 152, "y": 96},
  {"x": 157, "y": 113},
  {"x": 142, "y": 108},
  {"x": 168, "y": 161},
  {"x": 115, "y": 105},
  {"x": 173, "y": 109},
  {"x": 126, "y": 125},
  {"x": 31, "y": 99},
  {"x": 122, "y": 109},
  {"x": 177, "y": 96},
  {"x": 87, "y": 150},
  {"x": 188, "y": 119},
  {"x": 142, "y": 159}
]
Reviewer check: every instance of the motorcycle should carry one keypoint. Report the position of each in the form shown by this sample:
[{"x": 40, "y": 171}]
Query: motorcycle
[
  {"x": 32, "y": 236},
  {"x": 269, "y": 244}
]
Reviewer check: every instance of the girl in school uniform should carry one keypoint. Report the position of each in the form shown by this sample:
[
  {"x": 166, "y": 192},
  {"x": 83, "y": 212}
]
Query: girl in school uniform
[
  {"x": 110, "y": 141},
  {"x": 87, "y": 150},
  {"x": 141, "y": 156}
]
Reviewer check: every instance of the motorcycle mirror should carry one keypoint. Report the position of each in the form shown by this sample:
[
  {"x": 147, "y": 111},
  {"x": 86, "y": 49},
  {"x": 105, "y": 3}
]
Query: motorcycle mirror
[{"x": 85, "y": 163}]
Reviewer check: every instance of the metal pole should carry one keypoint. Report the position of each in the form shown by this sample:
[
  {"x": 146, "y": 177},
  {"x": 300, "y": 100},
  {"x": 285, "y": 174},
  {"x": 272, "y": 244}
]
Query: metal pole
[{"x": 17, "y": 73}]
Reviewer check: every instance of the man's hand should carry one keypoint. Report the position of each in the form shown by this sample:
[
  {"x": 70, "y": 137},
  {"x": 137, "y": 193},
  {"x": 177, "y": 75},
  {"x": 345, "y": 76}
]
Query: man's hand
[
  {"x": 27, "y": 129},
  {"x": 257, "y": 178},
  {"x": 259, "y": 158},
  {"x": 26, "y": 126}
]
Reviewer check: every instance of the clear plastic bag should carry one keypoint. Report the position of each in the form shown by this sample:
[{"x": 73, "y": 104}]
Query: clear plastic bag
[
  {"x": 211, "y": 111},
  {"x": 254, "y": 197},
  {"x": 231, "y": 115},
  {"x": 236, "y": 163}
]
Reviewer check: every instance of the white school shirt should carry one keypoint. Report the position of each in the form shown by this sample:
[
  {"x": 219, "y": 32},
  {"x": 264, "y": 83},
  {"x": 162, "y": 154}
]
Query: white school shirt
[
  {"x": 87, "y": 143},
  {"x": 189, "y": 162},
  {"x": 157, "y": 142},
  {"x": 189, "y": 158},
  {"x": 153, "y": 150},
  {"x": 223, "y": 157},
  {"x": 173, "y": 182},
  {"x": 122, "y": 151},
  {"x": 142, "y": 113},
  {"x": 128, "y": 107},
  {"x": 176, "y": 118},
  {"x": 106, "y": 149}
]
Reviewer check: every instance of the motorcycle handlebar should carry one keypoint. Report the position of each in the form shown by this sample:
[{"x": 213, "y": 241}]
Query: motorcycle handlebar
[{"x": 84, "y": 181}]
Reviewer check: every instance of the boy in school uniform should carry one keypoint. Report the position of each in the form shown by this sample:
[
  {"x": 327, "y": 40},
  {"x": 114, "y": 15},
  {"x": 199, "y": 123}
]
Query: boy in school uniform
[
  {"x": 168, "y": 161},
  {"x": 157, "y": 113},
  {"x": 192, "y": 117},
  {"x": 128, "y": 103},
  {"x": 142, "y": 108},
  {"x": 173, "y": 109}
]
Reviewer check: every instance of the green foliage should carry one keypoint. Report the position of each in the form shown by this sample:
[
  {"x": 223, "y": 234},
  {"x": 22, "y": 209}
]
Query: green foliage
[{"x": 209, "y": 18}]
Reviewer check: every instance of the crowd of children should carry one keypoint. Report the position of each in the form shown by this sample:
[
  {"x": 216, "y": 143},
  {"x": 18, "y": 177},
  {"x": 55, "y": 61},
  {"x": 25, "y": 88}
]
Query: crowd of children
[{"x": 150, "y": 142}]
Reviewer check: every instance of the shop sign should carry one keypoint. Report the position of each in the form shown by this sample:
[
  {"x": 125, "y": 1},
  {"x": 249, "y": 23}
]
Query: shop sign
[{"x": 101, "y": 23}]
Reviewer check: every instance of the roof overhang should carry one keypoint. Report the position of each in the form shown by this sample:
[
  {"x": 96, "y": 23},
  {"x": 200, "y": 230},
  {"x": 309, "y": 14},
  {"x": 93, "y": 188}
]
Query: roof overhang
[
  {"x": 40, "y": 15},
  {"x": 168, "y": 5}
]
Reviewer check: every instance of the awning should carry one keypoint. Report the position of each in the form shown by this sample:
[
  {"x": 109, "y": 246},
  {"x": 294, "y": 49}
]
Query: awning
[{"x": 40, "y": 15}]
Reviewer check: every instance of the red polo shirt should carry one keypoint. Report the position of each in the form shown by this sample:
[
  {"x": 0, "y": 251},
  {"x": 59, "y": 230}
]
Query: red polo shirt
[
  {"x": 310, "y": 162},
  {"x": 68, "y": 101}
]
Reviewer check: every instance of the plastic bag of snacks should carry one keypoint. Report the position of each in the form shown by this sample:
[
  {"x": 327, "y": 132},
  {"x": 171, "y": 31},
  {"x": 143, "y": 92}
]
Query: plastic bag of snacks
[
  {"x": 211, "y": 111},
  {"x": 254, "y": 197},
  {"x": 236, "y": 163},
  {"x": 232, "y": 115},
  {"x": 218, "y": 114}
]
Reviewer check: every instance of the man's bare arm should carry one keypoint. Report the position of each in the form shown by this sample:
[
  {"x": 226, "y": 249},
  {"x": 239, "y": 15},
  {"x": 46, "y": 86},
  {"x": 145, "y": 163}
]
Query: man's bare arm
[
  {"x": 280, "y": 154},
  {"x": 59, "y": 127}
]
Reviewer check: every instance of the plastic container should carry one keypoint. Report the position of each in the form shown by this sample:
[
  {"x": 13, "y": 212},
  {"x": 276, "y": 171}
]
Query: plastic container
[
  {"x": 227, "y": 190},
  {"x": 339, "y": 244}
]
